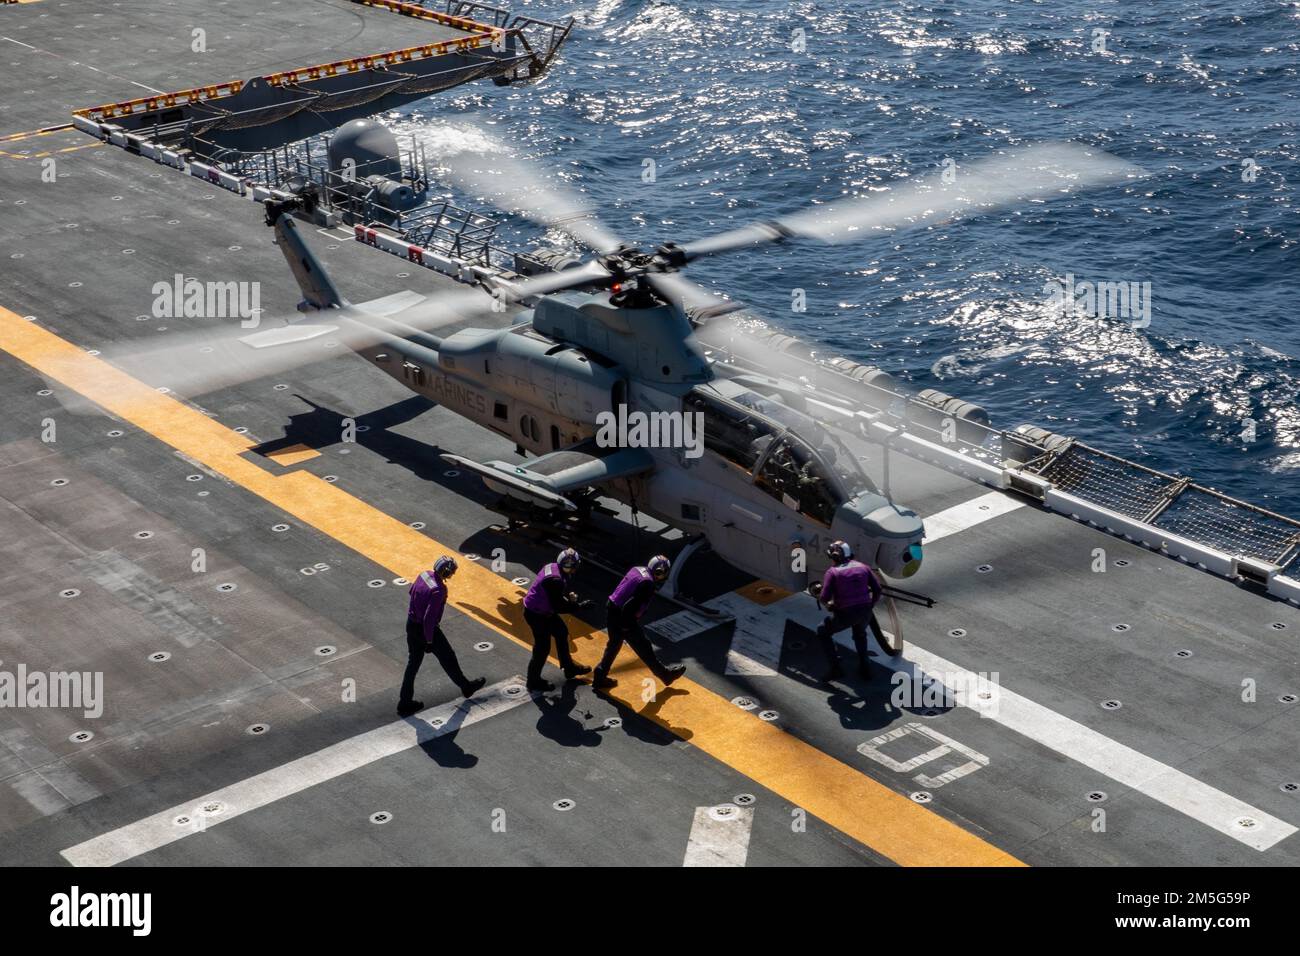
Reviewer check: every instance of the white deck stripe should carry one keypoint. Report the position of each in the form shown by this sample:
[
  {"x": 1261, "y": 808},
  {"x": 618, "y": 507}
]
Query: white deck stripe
[
  {"x": 719, "y": 836},
  {"x": 1148, "y": 776},
  {"x": 156, "y": 831},
  {"x": 968, "y": 514},
  {"x": 1071, "y": 739}
]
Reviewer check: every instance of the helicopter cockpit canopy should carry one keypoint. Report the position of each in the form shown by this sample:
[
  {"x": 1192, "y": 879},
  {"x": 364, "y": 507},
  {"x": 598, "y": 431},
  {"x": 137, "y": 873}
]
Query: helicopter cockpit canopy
[{"x": 789, "y": 455}]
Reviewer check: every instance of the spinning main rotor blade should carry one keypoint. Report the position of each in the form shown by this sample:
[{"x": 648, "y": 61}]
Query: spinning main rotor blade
[
  {"x": 1015, "y": 176},
  {"x": 446, "y": 308},
  {"x": 207, "y": 359},
  {"x": 515, "y": 187},
  {"x": 194, "y": 363}
]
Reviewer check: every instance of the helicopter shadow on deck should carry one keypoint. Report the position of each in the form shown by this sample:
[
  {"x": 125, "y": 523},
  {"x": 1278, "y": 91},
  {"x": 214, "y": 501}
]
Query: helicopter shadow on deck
[{"x": 322, "y": 427}]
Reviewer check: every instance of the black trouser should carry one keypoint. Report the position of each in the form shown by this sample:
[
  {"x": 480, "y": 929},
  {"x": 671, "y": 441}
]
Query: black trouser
[
  {"x": 440, "y": 648},
  {"x": 545, "y": 627},
  {"x": 859, "y": 618},
  {"x": 623, "y": 627}
]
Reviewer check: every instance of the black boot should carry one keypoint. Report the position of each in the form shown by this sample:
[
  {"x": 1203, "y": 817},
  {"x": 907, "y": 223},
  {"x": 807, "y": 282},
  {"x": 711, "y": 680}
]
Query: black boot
[
  {"x": 672, "y": 672},
  {"x": 574, "y": 670},
  {"x": 473, "y": 687},
  {"x": 602, "y": 681},
  {"x": 409, "y": 707},
  {"x": 536, "y": 683}
]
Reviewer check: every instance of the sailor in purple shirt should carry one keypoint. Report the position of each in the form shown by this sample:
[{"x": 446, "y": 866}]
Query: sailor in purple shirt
[
  {"x": 424, "y": 635},
  {"x": 547, "y": 600},
  {"x": 626, "y": 605},
  {"x": 849, "y": 591}
]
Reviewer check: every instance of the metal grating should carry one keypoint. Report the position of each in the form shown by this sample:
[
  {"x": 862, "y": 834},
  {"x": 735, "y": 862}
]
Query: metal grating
[
  {"x": 1111, "y": 482},
  {"x": 1172, "y": 504},
  {"x": 1230, "y": 526},
  {"x": 1166, "y": 503}
]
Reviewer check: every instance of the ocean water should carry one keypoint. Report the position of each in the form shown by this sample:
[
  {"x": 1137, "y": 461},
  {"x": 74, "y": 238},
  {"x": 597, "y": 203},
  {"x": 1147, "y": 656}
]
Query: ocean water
[{"x": 1203, "y": 95}]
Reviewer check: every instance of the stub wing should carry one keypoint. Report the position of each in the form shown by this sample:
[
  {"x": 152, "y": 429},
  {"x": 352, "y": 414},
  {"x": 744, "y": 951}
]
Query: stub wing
[{"x": 545, "y": 481}]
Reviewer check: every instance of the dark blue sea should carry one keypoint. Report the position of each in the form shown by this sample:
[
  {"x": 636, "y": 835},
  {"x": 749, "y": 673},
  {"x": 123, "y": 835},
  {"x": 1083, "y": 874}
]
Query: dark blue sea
[{"x": 1203, "y": 95}]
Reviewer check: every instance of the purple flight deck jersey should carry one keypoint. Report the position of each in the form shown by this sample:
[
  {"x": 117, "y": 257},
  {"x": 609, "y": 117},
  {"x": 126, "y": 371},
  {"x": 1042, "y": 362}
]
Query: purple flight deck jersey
[
  {"x": 537, "y": 600},
  {"x": 428, "y": 601},
  {"x": 631, "y": 591},
  {"x": 850, "y": 585}
]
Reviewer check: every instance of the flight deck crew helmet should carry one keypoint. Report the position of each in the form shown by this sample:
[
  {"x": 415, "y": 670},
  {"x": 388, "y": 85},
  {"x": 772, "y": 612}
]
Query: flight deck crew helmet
[
  {"x": 839, "y": 552},
  {"x": 659, "y": 566},
  {"x": 568, "y": 560},
  {"x": 444, "y": 567}
]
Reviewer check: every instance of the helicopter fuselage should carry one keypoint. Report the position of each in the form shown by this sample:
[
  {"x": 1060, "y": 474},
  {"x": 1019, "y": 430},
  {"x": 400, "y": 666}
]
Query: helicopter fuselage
[{"x": 767, "y": 501}]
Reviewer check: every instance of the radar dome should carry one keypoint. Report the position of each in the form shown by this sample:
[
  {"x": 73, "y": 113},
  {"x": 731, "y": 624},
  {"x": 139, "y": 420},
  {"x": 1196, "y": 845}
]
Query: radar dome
[{"x": 370, "y": 145}]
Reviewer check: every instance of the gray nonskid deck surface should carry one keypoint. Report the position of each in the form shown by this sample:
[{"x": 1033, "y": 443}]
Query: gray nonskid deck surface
[{"x": 1040, "y": 618}]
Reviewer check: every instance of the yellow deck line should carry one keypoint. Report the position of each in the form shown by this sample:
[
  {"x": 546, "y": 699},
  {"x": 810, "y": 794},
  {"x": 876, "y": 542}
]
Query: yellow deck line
[
  {"x": 49, "y": 152},
  {"x": 842, "y": 796},
  {"x": 28, "y": 134}
]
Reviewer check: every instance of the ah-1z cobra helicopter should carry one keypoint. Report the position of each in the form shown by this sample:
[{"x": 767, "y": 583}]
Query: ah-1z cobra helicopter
[
  {"x": 770, "y": 479},
  {"x": 772, "y": 486}
]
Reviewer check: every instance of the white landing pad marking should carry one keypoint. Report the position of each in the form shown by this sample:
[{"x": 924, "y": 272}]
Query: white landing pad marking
[
  {"x": 156, "y": 831},
  {"x": 968, "y": 514},
  {"x": 945, "y": 747},
  {"x": 719, "y": 836}
]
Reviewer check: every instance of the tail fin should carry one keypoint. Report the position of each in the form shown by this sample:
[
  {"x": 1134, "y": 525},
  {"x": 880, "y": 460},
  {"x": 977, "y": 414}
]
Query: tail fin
[{"x": 318, "y": 288}]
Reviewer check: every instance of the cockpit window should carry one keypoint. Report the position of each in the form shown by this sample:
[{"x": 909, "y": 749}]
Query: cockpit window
[
  {"x": 731, "y": 432},
  {"x": 793, "y": 474},
  {"x": 839, "y": 463},
  {"x": 808, "y": 468}
]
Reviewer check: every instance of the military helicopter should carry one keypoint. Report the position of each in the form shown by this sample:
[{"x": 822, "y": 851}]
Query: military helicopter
[{"x": 611, "y": 339}]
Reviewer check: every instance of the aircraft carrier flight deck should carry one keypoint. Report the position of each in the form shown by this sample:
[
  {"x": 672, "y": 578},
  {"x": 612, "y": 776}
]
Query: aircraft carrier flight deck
[{"x": 232, "y": 564}]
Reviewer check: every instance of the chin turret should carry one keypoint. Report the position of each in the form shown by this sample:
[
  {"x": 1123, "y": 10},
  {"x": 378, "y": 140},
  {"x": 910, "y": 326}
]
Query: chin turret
[{"x": 884, "y": 535}]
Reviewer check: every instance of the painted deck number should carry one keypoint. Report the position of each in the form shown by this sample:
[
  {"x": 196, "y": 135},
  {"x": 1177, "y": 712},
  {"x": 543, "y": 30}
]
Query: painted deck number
[{"x": 946, "y": 745}]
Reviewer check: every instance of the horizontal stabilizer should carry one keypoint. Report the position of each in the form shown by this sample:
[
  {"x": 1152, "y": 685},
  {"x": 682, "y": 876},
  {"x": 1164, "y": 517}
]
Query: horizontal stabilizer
[
  {"x": 287, "y": 335},
  {"x": 391, "y": 304}
]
